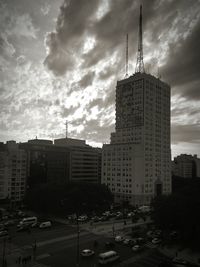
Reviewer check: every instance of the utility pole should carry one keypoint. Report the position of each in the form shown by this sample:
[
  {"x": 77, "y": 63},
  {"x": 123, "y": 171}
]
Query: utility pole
[
  {"x": 140, "y": 64},
  {"x": 126, "y": 75}
]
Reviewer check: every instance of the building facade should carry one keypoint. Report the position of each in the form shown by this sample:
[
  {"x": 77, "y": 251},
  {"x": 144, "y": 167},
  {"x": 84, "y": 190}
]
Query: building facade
[
  {"x": 136, "y": 163},
  {"x": 85, "y": 161},
  {"x": 47, "y": 163},
  {"x": 186, "y": 166},
  {"x": 13, "y": 172}
]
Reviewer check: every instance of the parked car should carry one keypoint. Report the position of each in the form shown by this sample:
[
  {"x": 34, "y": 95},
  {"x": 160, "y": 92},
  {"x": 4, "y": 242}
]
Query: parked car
[
  {"x": 119, "y": 238},
  {"x": 109, "y": 245},
  {"x": 129, "y": 242},
  {"x": 24, "y": 228},
  {"x": 3, "y": 233},
  {"x": 83, "y": 218},
  {"x": 46, "y": 224},
  {"x": 156, "y": 241},
  {"x": 140, "y": 240},
  {"x": 179, "y": 262},
  {"x": 87, "y": 253},
  {"x": 96, "y": 219},
  {"x": 130, "y": 214},
  {"x": 9, "y": 223},
  {"x": 119, "y": 216},
  {"x": 137, "y": 248}
]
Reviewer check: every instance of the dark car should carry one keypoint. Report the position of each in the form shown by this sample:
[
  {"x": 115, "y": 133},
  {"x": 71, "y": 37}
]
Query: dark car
[
  {"x": 24, "y": 228},
  {"x": 109, "y": 245},
  {"x": 3, "y": 233}
]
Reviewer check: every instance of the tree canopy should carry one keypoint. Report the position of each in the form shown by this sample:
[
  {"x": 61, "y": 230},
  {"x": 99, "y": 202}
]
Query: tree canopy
[
  {"x": 180, "y": 211},
  {"x": 68, "y": 198}
]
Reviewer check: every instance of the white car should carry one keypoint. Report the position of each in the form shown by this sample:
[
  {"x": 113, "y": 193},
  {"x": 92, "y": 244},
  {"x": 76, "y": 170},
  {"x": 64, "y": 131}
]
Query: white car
[
  {"x": 45, "y": 224},
  {"x": 136, "y": 248},
  {"x": 119, "y": 238},
  {"x": 87, "y": 253},
  {"x": 156, "y": 241}
]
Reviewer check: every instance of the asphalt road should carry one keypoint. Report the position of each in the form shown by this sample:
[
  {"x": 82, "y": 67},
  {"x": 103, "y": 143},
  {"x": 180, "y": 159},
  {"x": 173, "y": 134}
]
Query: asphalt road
[{"x": 57, "y": 247}]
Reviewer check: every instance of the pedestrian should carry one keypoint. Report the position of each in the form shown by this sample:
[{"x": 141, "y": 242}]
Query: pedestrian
[
  {"x": 23, "y": 261},
  {"x": 95, "y": 243}
]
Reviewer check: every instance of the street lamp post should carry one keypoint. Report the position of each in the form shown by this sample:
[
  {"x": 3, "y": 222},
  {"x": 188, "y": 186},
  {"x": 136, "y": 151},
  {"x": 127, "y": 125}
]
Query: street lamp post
[
  {"x": 78, "y": 236},
  {"x": 4, "y": 252},
  {"x": 113, "y": 229},
  {"x": 34, "y": 246}
]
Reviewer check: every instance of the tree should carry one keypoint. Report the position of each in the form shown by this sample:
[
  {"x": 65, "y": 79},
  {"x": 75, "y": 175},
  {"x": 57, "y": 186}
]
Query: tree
[
  {"x": 68, "y": 198},
  {"x": 180, "y": 211}
]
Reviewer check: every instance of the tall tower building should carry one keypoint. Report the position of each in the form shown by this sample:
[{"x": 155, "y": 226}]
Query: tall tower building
[{"x": 136, "y": 163}]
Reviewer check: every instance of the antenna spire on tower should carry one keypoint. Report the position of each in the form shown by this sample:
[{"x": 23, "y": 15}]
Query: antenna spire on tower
[
  {"x": 126, "y": 75},
  {"x": 66, "y": 129},
  {"x": 140, "y": 64}
]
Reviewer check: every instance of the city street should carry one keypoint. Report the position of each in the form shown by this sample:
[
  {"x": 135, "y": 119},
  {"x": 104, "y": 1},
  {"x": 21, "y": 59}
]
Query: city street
[{"x": 58, "y": 246}]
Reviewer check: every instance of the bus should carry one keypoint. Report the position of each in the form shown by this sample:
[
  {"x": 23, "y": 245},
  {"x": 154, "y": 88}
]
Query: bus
[
  {"x": 108, "y": 257},
  {"x": 32, "y": 221}
]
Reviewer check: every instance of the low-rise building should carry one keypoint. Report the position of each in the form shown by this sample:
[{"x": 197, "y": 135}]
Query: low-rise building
[
  {"x": 85, "y": 161},
  {"x": 186, "y": 166}
]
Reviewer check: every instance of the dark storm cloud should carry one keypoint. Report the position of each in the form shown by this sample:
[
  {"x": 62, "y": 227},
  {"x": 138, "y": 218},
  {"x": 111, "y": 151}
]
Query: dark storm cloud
[
  {"x": 183, "y": 65},
  {"x": 107, "y": 73},
  {"x": 78, "y": 20},
  {"x": 67, "y": 39},
  {"x": 87, "y": 79},
  {"x": 186, "y": 133},
  {"x": 191, "y": 111}
]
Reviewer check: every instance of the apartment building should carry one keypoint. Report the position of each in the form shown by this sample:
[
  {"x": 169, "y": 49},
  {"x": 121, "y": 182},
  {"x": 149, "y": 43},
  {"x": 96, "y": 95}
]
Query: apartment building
[
  {"x": 13, "y": 172},
  {"x": 136, "y": 164}
]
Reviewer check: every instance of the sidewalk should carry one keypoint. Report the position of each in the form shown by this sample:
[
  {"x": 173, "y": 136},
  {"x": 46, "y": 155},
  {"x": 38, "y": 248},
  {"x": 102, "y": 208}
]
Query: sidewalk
[
  {"x": 11, "y": 259},
  {"x": 185, "y": 254}
]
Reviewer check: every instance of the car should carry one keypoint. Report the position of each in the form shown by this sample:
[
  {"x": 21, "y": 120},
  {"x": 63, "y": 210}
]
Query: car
[
  {"x": 46, "y": 224},
  {"x": 130, "y": 214},
  {"x": 3, "y": 233},
  {"x": 136, "y": 248},
  {"x": 95, "y": 219},
  {"x": 179, "y": 262},
  {"x": 24, "y": 228},
  {"x": 140, "y": 240},
  {"x": 9, "y": 223},
  {"x": 104, "y": 218},
  {"x": 129, "y": 242},
  {"x": 82, "y": 218},
  {"x": 2, "y": 227},
  {"x": 156, "y": 241},
  {"x": 87, "y": 253},
  {"x": 119, "y": 238},
  {"x": 109, "y": 245},
  {"x": 119, "y": 216},
  {"x": 34, "y": 224}
]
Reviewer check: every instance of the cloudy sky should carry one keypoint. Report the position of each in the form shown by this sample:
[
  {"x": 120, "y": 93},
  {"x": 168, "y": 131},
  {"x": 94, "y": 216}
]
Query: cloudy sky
[{"x": 60, "y": 60}]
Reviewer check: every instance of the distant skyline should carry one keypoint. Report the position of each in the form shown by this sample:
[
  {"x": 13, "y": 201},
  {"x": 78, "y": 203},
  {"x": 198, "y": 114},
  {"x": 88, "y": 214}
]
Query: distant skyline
[{"x": 60, "y": 60}]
